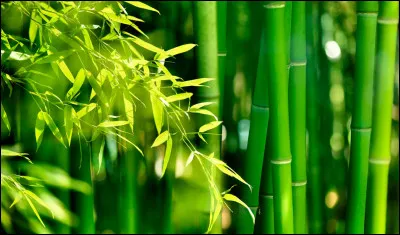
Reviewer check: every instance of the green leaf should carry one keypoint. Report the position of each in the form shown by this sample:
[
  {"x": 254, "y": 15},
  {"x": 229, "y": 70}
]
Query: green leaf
[
  {"x": 158, "y": 113},
  {"x": 200, "y": 105},
  {"x": 17, "y": 199},
  {"x": 209, "y": 126},
  {"x": 81, "y": 113},
  {"x": 190, "y": 159},
  {"x": 227, "y": 170},
  {"x": 129, "y": 111},
  {"x": 34, "y": 25},
  {"x": 233, "y": 198},
  {"x": 97, "y": 88},
  {"x": 177, "y": 50},
  {"x": 54, "y": 129},
  {"x": 201, "y": 137},
  {"x": 160, "y": 139},
  {"x": 113, "y": 123},
  {"x": 86, "y": 36},
  {"x": 38, "y": 200},
  {"x": 194, "y": 82},
  {"x": 101, "y": 153},
  {"x": 65, "y": 70},
  {"x": 4, "y": 118},
  {"x": 15, "y": 55},
  {"x": 9, "y": 153},
  {"x": 68, "y": 122},
  {"x": 177, "y": 97},
  {"x": 34, "y": 210},
  {"x": 203, "y": 111},
  {"x": 146, "y": 45},
  {"x": 39, "y": 129},
  {"x": 77, "y": 84},
  {"x": 53, "y": 57},
  {"x": 167, "y": 155},
  {"x": 142, "y": 5}
]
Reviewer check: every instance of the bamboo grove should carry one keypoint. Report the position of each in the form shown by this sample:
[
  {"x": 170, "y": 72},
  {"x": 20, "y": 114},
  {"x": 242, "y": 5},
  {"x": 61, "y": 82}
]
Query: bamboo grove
[{"x": 117, "y": 116}]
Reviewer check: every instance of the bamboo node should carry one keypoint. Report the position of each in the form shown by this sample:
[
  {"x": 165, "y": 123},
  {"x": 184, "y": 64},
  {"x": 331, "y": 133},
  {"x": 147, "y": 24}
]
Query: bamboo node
[
  {"x": 379, "y": 161},
  {"x": 298, "y": 184},
  {"x": 281, "y": 162},
  {"x": 367, "y": 13},
  {"x": 368, "y": 129},
  {"x": 298, "y": 63},
  {"x": 275, "y": 6},
  {"x": 388, "y": 21},
  {"x": 221, "y": 54}
]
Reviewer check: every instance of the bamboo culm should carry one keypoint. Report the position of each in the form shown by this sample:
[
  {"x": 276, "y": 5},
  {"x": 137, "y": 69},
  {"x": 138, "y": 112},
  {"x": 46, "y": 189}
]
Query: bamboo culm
[
  {"x": 367, "y": 13},
  {"x": 379, "y": 156}
]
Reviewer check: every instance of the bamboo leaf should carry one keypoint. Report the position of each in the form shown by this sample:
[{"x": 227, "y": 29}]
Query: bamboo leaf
[
  {"x": 77, "y": 84},
  {"x": 39, "y": 129},
  {"x": 158, "y": 113},
  {"x": 54, "y": 129},
  {"x": 227, "y": 170},
  {"x": 34, "y": 210},
  {"x": 177, "y": 97},
  {"x": 97, "y": 88},
  {"x": 190, "y": 159},
  {"x": 81, "y": 113},
  {"x": 200, "y": 105},
  {"x": 68, "y": 122},
  {"x": 209, "y": 126},
  {"x": 101, "y": 153},
  {"x": 38, "y": 200},
  {"x": 201, "y": 137},
  {"x": 142, "y": 5},
  {"x": 52, "y": 57},
  {"x": 86, "y": 36},
  {"x": 17, "y": 199},
  {"x": 194, "y": 82},
  {"x": 167, "y": 155},
  {"x": 175, "y": 51},
  {"x": 233, "y": 198},
  {"x": 15, "y": 55},
  {"x": 33, "y": 27},
  {"x": 203, "y": 111},
  {"x": 129, "y": 111},
  {"x": 113, "y": 123},
  {"x": 160, "y": 139},
  {"x": 5, "y": 118},
  {"x": 9, "y": 153},
  {"x": 65, "y": 70},
  {"x": 146, "y": 45}
]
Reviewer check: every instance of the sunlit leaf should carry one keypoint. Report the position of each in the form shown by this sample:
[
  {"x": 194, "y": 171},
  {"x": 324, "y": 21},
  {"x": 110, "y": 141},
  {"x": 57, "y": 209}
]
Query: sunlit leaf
[
  {"x": 65, "y": 70},
  {"x": 77, "y": 84},
  {"x": 68, "y": 122},
  {"x": 167, "y": 155},
  {"x": 203, "y": 111},
  {"x": 38, "y": 200},
  {"x": 158, "y": 113},
  {"x": 81, "y": 113},
  {"x": 39, "y": 129},
  {"x": 160, "y": 139},
  {"x": 209, "y": 126},
  {"x": 34, "y": 25},
  {"x": 180, "y": 96},
  {"x": 5, "y": 118},
  {"x": 101, "y": 153},
  {"x": 17, "y": 199},
  {"x": 190, "y": 159},
  {"x": 54, "y": 129},
  {"x": 177, "y": 50},
  {"x": 53, "y": 57},
  {"x": 200, "y": 105},
  {"x": 113, "y": 123},
  {"x": 97, "y": 88},
  {"x": 86, "y": 36},
  {"x": 146, "y": 45},
  {"x": 34, "y": 210},
  {"x": 233, "y": 198},
  {"x": 194, "y": 82},
  {"x": 9, "y": 153},
  {"x": 129, "y": 111},
  {"x": 142, "y": 5}
]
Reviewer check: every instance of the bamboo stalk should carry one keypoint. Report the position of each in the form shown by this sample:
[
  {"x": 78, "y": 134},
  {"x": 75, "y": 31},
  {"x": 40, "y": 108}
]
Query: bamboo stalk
[
  {"x": 379, "y": 156},
  {"x": 362, "y": 116},
  {"x": 205, "y": 25},
  {"x": 297, "y": 115},
  {"x": 314, "y": 172},
  {"x": 252, "y": 164},
  {"x": 278, "y": 96},
  {"x": 221, "y": 33}
]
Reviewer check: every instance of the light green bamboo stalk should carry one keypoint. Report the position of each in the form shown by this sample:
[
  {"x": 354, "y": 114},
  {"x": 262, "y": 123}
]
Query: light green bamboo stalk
[
  {"x": 367, "y": 13},
  {"x": 205, "y": 26},
  {"x": 276, "y": 68},
  {"x": 315, "y": 210},
  {"x": 297, "y": 115},
  {"x": 221, "y": 32},
  {"x": 379, "y": 156}
]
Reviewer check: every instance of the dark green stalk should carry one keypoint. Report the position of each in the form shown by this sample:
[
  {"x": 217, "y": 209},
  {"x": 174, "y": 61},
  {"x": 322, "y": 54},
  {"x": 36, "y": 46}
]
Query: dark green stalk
[
  {"x": 297, "y": 115},
  {"x": 313, "y": 112},
  {"x": 379, "y": 156},
  {"x": 221, "y": 31},
  {"x": 288, "y": 27},
  {"x": 276, "y": 68},
  {"x": 205, "y": 26},
  {"x": 362, "y": 115},
  {"x": 253, "y": 162}
]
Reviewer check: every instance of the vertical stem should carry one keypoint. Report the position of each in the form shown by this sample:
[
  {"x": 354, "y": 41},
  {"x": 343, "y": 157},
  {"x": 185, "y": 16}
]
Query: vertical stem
[
  {"x": 379, "y": 157},
  {"x": 276, "y": 68},
  {"x": 313, "y": 112},
  {"x": 221, "y": 33},
  {"x": 297, "y": 115},
  {"x": 205, "y": 26},
  {"x": 362, "y": 115}
]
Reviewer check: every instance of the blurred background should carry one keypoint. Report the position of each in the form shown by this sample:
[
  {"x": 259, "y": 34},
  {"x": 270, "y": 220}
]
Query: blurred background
[{"x": 172, "y": 28}]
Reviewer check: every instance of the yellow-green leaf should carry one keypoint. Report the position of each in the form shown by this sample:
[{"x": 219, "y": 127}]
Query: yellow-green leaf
[
  {"x": 34, "y": 210},
  {"x": 97, "y": 88},
  {"x": 39, "y": 129},
  {"x": 177, "y": 50},
  {"x": 167, "y": 155},
  {"x": 158, "y": 112},
  {"x": 9, "y": 153},
  {"x": 177, "y": 97},
  {"x": 86, "y": 110},
  {"x": 233, "y": 198},
  {"x": 38, "y": 200},
  {"x": 129, "y": 111},
  {"x": 33, "y": 27},
  {"x": 17, "y": 199},
  {"x": 4, "y": 118},
  {"x": 194, "y": 82},
  {"x": 203, "y": 111},
  {"x": 77, "y": 84},
  {"x": 65, "y": 70},
  {"x": 160, "y": 139},
  {"x": 86, "y": 36},
  {"x": 142, "y": 5},
  {"x": 68, "y": 122},
  {"x": 200, "y": 105},
  {"x": 101, "y": 153},
  {"x": 54, "y": 129},
  {"x": 113, "y": 123},
  {"x": 209, "y": 126},
  {"x": 190, "y": 159},
  {"x": 146, "y": 45}
]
